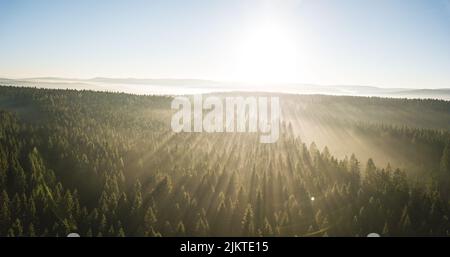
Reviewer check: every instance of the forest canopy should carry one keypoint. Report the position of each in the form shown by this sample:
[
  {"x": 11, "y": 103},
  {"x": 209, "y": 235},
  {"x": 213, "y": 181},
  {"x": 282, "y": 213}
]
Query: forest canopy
[{"x": 108, "y": 164}]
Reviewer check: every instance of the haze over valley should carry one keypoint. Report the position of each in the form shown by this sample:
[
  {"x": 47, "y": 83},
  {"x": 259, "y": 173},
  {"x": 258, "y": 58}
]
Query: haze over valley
[{"x": 198, "y": 86}]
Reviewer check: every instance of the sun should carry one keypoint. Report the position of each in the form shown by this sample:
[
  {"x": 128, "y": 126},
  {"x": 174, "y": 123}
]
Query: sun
[{"x": 266, "y": 53}]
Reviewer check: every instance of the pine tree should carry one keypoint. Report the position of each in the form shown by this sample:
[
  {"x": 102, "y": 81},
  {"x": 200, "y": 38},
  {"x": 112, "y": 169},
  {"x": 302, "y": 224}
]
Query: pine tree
[
  {"x": 201, "y": 227},
  {"x": 17, "y": 228},
  {"x": 445, "y": 160},
  {"x": 3, "y": 167},
  {"x": 31, "y": 231},
  {"x": 181, "y": 231},
  {"x": 121, "y": 232},
  {"x": 67, "y": 204},
  {"x": 444, "y": 176},
  {"x": 5, "y": 213},
  {"x": 248, "y": 227},
  {"x": 267, "y": 229},
  {"x": 111, "y": 231},
  {"x": 149, "y": 219},
  {"x": 370, "y": 167},
  {"x": 137, "y": 199}
]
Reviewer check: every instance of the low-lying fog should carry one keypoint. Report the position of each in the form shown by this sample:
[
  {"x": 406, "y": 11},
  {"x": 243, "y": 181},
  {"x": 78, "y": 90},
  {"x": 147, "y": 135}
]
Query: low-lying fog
[{"x": 194, "y": 86}]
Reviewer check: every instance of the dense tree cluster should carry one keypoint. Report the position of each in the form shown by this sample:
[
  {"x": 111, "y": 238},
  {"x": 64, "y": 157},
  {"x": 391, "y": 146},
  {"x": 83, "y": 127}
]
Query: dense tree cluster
[{"x": 107, "y": 164}]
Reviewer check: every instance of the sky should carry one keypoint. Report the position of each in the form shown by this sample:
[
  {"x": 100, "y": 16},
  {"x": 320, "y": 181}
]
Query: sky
[{"x": 385, "y": 43}]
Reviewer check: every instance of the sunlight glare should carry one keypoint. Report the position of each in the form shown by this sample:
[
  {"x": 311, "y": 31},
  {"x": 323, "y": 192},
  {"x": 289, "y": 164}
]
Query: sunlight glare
[{"x": 267, "y": 53}]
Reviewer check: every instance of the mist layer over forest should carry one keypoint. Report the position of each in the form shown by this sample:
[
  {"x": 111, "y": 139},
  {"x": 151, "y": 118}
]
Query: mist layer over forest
[
  {"x": 108, "y": 164},
  {"x": 200, "y": 86}
]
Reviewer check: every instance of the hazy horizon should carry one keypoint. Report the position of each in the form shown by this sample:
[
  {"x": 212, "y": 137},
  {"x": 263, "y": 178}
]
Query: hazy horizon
[
  {"x": 50, "y": 77},
  {"x": 400, "y": 44},
  {"x": 161, "y": 86}
]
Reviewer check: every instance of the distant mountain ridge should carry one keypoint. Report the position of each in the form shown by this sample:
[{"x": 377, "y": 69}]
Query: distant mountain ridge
[{"x": 192, "y": 86}]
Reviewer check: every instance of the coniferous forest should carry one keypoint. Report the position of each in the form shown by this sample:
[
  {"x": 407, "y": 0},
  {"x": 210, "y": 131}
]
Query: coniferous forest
[{"x": 108, "y": 164}]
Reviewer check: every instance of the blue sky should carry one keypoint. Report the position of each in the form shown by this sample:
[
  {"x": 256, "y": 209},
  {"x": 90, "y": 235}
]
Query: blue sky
[{"x": 387, "y": 43}]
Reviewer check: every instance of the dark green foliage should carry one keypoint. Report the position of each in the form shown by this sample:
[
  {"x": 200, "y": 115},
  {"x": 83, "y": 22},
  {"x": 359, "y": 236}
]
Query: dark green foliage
[{"x": 106, "y": 164}]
